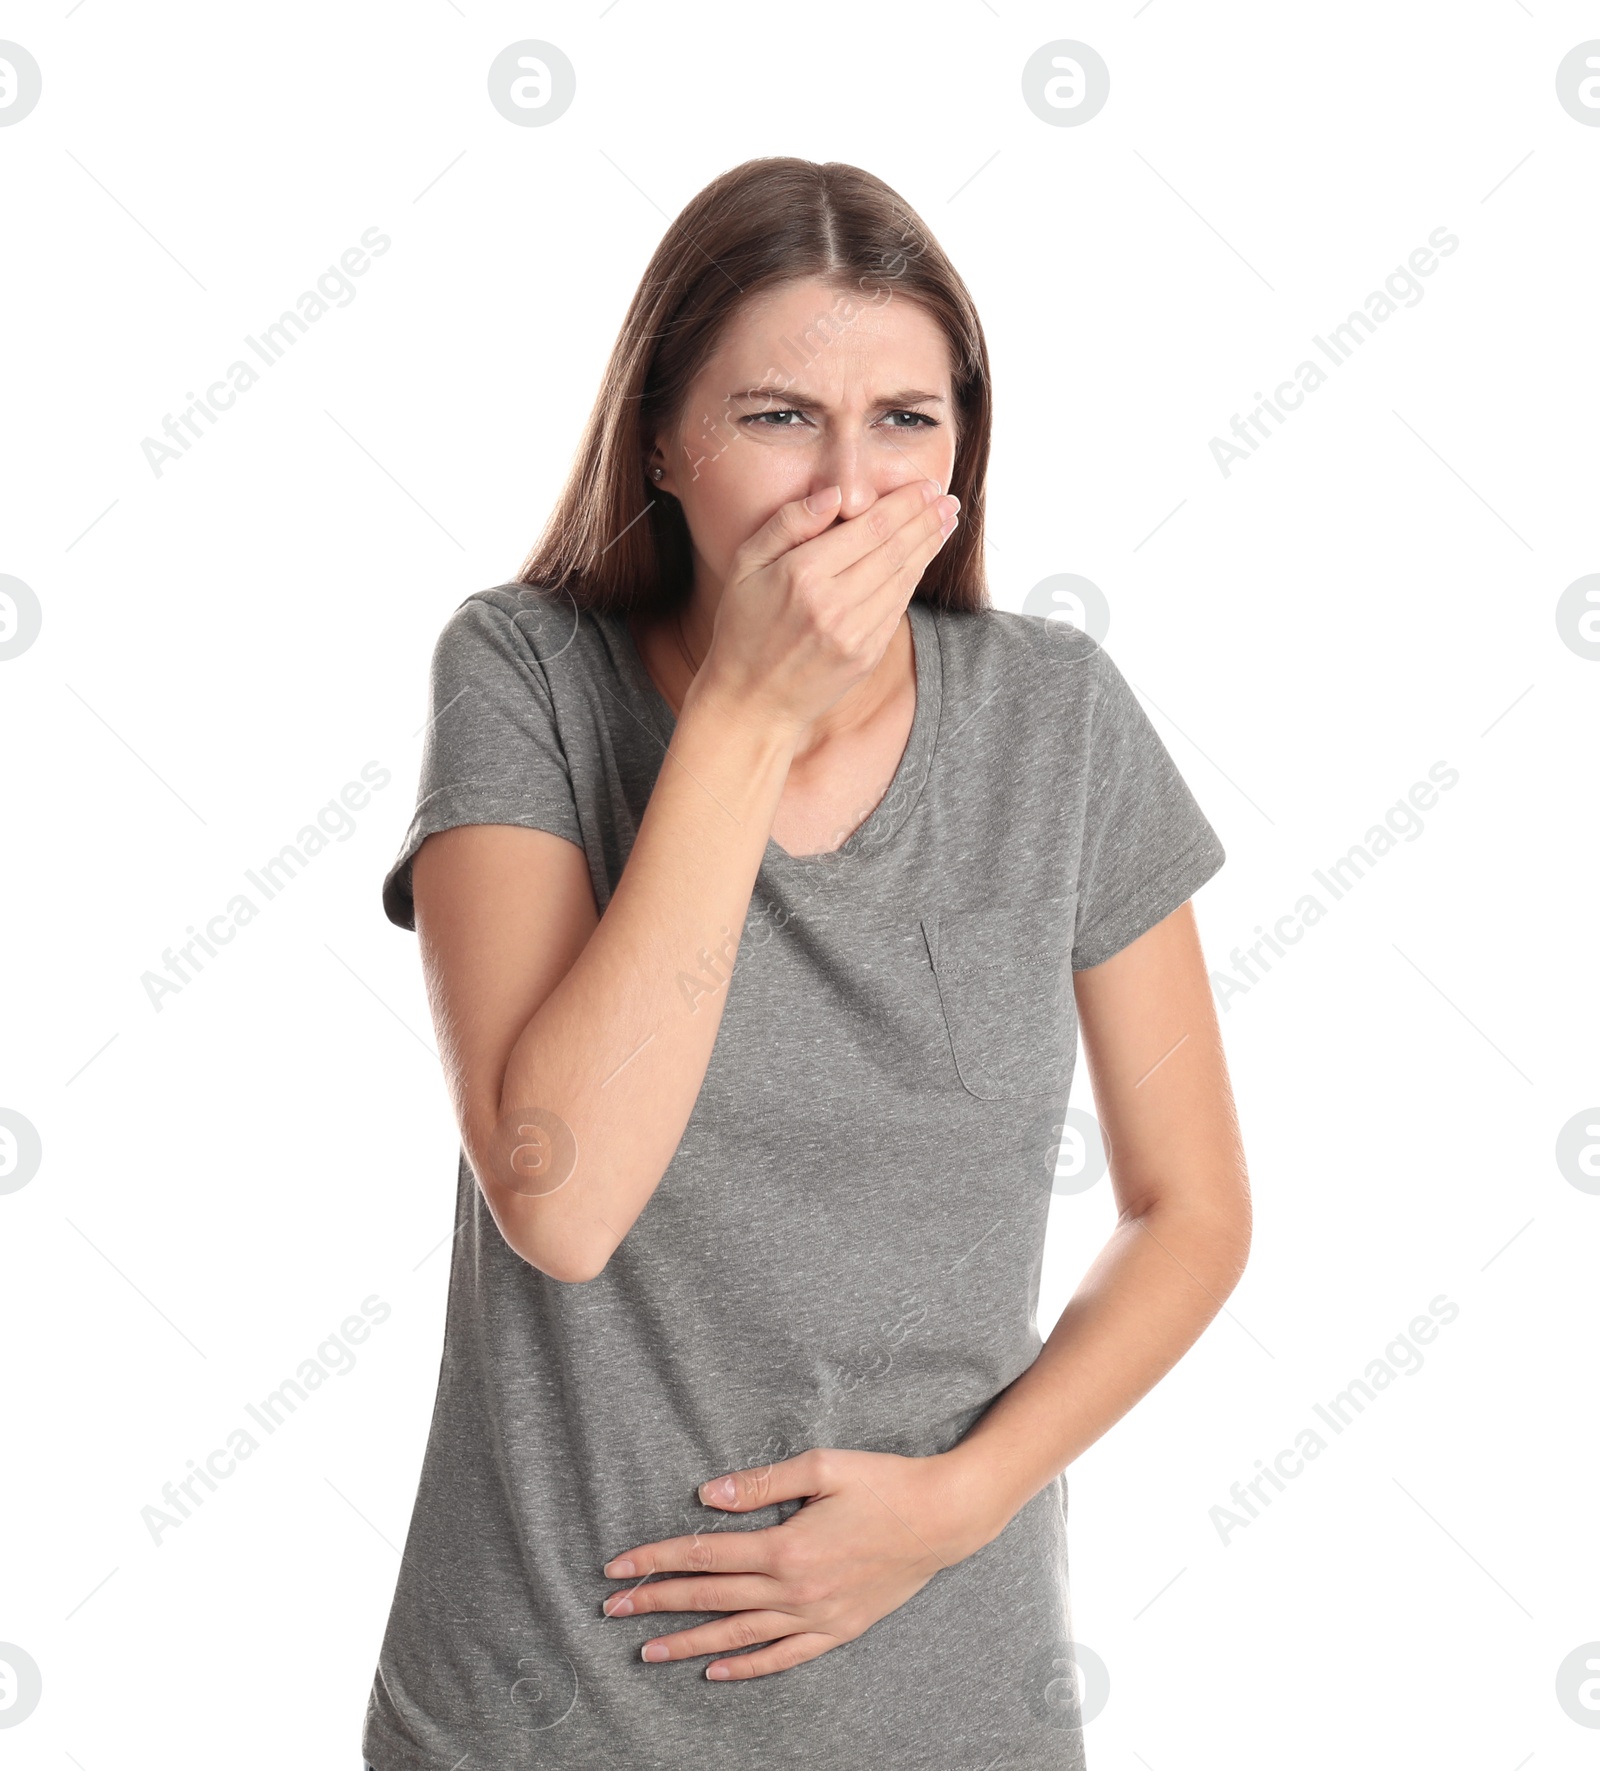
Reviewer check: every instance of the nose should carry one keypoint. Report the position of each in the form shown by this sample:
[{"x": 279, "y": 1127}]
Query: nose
[
  {"x": 861, "y": 475},
  {"x": 844, "y": 465}
]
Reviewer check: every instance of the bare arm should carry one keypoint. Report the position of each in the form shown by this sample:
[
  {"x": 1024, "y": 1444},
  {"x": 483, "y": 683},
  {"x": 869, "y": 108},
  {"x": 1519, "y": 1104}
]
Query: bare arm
[
  {"x": 1150, "y": 1033},
  {"x": 575, "y": 1045},
  {"x": 543, "y": 1004}
]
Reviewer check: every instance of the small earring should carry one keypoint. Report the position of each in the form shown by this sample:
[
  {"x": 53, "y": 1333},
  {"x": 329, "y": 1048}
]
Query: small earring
[{"x": 656, "y": 472}]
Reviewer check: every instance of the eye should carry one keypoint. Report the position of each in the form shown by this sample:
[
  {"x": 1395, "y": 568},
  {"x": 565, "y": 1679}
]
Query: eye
[{"x": 919, "y": 420}]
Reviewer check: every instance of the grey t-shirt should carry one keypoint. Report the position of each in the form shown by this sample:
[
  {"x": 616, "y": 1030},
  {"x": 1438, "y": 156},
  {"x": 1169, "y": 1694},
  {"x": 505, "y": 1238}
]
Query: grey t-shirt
[{"x": 845, "y": 1249}]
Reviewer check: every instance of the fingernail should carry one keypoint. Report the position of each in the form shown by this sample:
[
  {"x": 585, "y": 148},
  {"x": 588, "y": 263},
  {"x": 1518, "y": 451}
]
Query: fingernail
[
  {"x": 717, "y": 1672},
  {"x": 930, "y": 490},
  {"x": 622, "y": 1566},
  {"x": 723, "y": 1490},
  {"x": 622, "y": 1607},
  {"x": 818, "y": 502},
  {"x": 654, "y": 1651}
]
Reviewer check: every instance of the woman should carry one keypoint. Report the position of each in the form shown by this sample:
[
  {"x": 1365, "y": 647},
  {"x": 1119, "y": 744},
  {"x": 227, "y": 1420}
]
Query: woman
[{"x": 763, "y": 875}]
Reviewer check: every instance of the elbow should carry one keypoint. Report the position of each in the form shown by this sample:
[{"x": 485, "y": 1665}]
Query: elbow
[
  {"x": 1234, "y": 1238},
  {"x": 568, "y": 1270},
  {"x": 540, "y": 1227},
  {"x": 548, "y": 1246}
]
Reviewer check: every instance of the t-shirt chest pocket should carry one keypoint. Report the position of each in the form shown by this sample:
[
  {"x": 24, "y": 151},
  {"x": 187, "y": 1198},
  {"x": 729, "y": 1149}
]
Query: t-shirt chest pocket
[{"x": 1004, "y": 973}]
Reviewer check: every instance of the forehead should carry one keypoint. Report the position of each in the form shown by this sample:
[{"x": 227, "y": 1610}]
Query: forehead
[{"x": 831, "y": 341}]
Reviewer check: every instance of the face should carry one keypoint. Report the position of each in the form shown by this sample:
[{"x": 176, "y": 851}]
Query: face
[{"x": 810, "y": 386}]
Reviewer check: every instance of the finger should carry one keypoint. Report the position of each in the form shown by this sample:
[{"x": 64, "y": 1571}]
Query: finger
[
  {"x": 742, "y": 1631},
  {"x": 707, "y": 1552},
  {"x": 775, "y": 1659},
  {"x": 789, "y": 526},
  {"x": 739, "y": 1592},
  {"x": 794, "y": 1478},
  {"x": 835, "y": 551},
  {"x": 881, "y": 583}
]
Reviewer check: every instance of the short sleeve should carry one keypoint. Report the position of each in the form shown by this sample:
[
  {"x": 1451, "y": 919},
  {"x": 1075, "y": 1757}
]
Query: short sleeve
[
  {"x": 492, "y": 753},
  {"x": 1147, "y": 846}
]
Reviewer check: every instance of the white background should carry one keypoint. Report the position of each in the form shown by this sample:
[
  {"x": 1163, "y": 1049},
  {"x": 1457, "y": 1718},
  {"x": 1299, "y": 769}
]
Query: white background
[{"x": 225, "y": 644}]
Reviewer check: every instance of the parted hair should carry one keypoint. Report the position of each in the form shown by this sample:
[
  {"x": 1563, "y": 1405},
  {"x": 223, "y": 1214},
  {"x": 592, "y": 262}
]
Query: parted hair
[{"x": 613, "y": 540}]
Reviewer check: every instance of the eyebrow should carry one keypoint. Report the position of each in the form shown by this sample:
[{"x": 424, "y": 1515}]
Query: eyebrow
[{"x": 805, "y": 402}]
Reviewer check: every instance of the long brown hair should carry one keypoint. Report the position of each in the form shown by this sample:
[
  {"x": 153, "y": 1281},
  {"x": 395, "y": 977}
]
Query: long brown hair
[{"x": 615, "y": 543}]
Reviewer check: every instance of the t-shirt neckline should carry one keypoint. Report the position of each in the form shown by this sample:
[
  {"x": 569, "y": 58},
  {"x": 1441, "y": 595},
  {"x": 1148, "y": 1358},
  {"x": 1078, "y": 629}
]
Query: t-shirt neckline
[{"x": 878, "y": 831}]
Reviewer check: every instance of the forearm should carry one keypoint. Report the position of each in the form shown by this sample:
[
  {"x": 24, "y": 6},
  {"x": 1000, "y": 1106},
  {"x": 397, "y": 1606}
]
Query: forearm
[
  {"x": 1160, "y": 1279},
  {"x": 619, "y": 1048}
]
